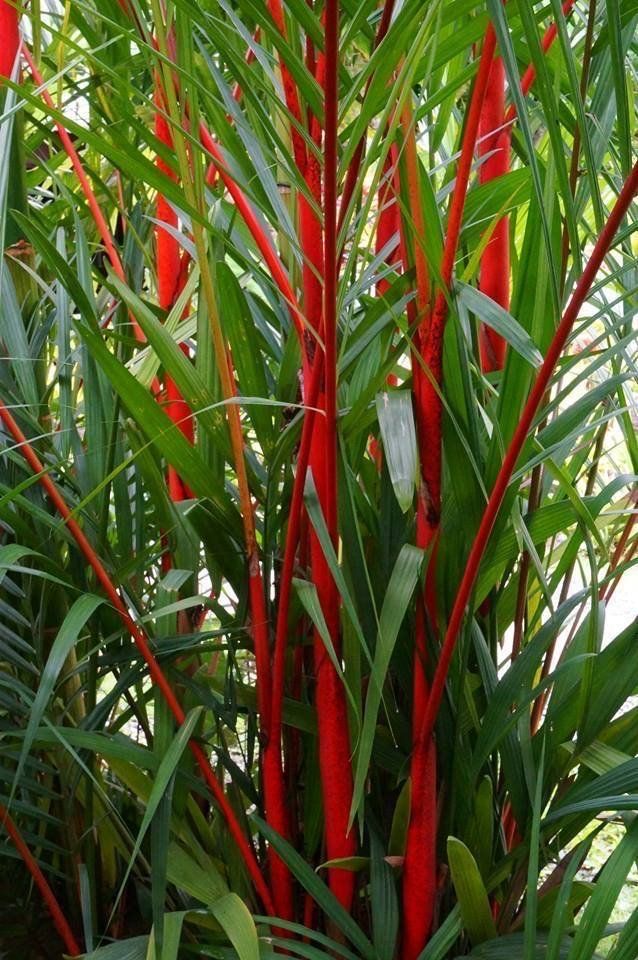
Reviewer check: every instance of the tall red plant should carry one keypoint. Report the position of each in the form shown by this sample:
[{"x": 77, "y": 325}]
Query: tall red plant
[{"x": 419, "y": 868}]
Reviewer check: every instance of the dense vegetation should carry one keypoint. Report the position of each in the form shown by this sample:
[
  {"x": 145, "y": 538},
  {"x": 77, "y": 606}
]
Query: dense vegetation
[{"x": 318, "y": 475}]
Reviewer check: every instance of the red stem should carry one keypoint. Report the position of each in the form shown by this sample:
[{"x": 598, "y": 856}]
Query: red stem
[
  {"x": 277, "y": 811},
  {"x": 389, "y": 217},
  {"x": 10, "y": 33},
  {"x": 494, "y": 276},
  {"x": 59, "y": 920},
  {"x": 96, "y": 212},
  {"x": 431, "y": 334},
  {"x": 290, "y": 90},
  {"x": 142, "y": 644},
  {"x": 334, "y": 741},
  {"x": 419, "y": 875},
  {"x": 517, "y": 443},
  {"x": 172, "y": 269}
]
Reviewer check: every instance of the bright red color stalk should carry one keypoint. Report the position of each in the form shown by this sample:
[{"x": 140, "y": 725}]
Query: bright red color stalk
[
  {"x": 419, "y": 875},
  {"x": 273, "y": 789},
  {"x": 10, "y": 34},
  {"x": 278, "y": 815},
  {"x": 419, "y": 880},
  {"x": 59, "y": 920},
  {"x": 332, "y": 716},
  {"x": 141, "y": 642},
  {"x": 431, "y": 334},
  {"x": 389, "y": 222},
  {"x": 534, "y": 401},
  {"x": 291, "y": 95},
  {"x": 170, "y": 280},
  {"x": 494, "y": 278}
]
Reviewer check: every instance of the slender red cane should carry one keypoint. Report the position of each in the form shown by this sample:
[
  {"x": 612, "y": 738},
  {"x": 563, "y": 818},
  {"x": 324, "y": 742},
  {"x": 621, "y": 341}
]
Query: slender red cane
[
  {"x": 10, "y": 33},
  {"x": 94, "y": 207},
  {"x": 419, "y": 875},
  {"x": 59, "y": 920},
  {"x": 494, "y": 275},
  {"x": 170, "y": 279},
  {"x": 334, "y": 741},
  {"x": 141, "y": 642}
]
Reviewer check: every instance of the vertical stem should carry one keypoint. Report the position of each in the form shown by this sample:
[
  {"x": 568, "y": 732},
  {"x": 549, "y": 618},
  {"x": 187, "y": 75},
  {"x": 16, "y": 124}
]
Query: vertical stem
[
  {"x": 419, "y": 876},
  {"x": 494, "y": 276},
  {"x": 170, "y": 279},
  {"x": 334, "y": 741}
]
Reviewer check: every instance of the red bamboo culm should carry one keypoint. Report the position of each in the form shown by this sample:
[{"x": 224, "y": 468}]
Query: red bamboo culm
[
  {"x": 332, "y": 716},
  {"x": 419, "y": 867},
  {"x": 494, "y": 276},
  {"x": 9, "y": 37},
  {"x": 171, "y": 276}
]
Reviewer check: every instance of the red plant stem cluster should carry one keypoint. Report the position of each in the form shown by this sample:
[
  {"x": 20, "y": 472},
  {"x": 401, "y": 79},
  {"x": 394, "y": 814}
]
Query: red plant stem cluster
[
  {"x": 484, "y": 117},
  {"x": 487, "y": 125},
  {"x": 495, "y": 137},
  {"x": 334, "y": 741},
  {"x": 419, "y": 873}
]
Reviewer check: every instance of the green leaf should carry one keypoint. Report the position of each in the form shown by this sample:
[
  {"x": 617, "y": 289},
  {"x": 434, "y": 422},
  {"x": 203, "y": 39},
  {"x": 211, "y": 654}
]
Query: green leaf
[
  {"x": 233, "y": 916},
  {"x": 165, "y": 773},
  {"x": 317, "y": 890},
  {"x": 133, "y": 949},
  {"x": 403, "y": 581},
  {"x": 470, "y": 891},
  {"x": 65, "y": 641},
  {"x": 398, "y": 432},
  {"x": 494, "y": 316},
  {"x": 204, "y": 884},
  {"x": 596, "y": 915}
]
